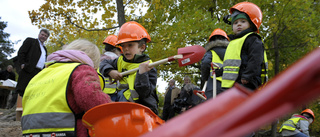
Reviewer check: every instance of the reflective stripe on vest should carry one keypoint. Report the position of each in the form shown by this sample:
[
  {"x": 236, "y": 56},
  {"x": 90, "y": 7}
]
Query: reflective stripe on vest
[
  {"x": 47, "y": 110},
  {"x": 108, "y": 89},
  {"x": 290, "y": 124},
  {"x": 216, "y": 59},
  {"x": 127, "y": 82},
  {"x": 264, "y": 69},
  {"x": 232, "y": 62}
]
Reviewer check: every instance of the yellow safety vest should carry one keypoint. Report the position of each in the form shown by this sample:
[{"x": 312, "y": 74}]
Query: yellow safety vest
[
  {"x": 291, "y": 124},
  {"x": 101, "y": 79},
  {"x": 216, "y": 59},
  {"x": 127, "y": 82},
  {"x": 108, "y": 89},
  {"x": 232, "y": 62},
  {"x": 45, "y": 106}
]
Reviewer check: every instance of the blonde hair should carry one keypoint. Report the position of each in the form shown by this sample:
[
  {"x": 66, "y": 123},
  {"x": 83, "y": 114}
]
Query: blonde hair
[{"x": 87, "y": 47}]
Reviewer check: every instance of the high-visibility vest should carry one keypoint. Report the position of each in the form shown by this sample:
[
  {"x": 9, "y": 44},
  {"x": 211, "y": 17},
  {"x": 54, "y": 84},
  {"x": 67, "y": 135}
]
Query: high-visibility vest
[
  {"x": 108, "y": 89},
  {"x": 216, "y": 59},
  {"x": 45, "y": 106},
  {"x": 101, "y": 79},
  {"x": 127, "y": 82},
  {"x": 291, "y": 124},
  {"x": 232, "y": 62}
]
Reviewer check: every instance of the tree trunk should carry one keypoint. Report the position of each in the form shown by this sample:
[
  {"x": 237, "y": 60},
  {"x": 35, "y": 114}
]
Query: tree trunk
[
  {"x": 276, "y": 71},
  {"x": 120, "y": 10}
]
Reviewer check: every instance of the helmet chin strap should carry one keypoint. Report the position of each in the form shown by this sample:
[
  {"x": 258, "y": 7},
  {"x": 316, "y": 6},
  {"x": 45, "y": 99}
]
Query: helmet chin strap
[{"x": 226, "y": 19}]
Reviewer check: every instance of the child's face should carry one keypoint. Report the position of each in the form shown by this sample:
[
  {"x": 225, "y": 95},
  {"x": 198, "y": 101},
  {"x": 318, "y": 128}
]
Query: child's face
[
  {"x": 240, "y": 25},
  {"x": 131, "y": 48}
]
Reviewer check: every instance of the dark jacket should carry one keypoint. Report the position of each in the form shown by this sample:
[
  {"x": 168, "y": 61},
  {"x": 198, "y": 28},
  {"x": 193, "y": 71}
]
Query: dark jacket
[
  {"x": 252, "y": 55},
  {"x": 29, "y": 54},
  {"x": 145, "y": 84},
  {"x": 219, "y": 47},
  {"x": 187, "y": 95},
  {"x": 5, "y": 74},
  {"x": 174, "y": 94}
]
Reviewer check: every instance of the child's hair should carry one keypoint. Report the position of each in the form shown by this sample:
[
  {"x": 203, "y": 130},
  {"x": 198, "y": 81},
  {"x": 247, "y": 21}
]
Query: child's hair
[
  {"x": 87, "y": 47},
  {"x": 307, "y": 115},
  {"x": 143, "y": 42}
]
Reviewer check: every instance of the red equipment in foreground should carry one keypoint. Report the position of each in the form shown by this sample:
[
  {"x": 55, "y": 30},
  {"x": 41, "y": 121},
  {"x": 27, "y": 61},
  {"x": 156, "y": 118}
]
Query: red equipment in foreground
[
  {"x": 120, "y": 119},
  {"x": 237, "y": 112}
]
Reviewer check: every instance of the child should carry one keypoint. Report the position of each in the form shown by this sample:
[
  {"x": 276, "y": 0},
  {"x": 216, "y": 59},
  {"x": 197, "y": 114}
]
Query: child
[
  {"x": 297, "y": 125},
  {"x": 57, "y": 97},
  {"x": 216, "y": 48},
  {"x": 112, "y": 51},
  {"x": 245, "y": 59},
  {"x": 139, "y": 87}
]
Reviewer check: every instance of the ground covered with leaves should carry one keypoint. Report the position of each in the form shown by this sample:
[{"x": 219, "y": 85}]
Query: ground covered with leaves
[{"x": 9, "y": 127}]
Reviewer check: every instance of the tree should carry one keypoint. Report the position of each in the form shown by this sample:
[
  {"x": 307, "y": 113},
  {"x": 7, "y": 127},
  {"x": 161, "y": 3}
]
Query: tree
[
  {"x": 174, "y": 24},
  {"x": 6, "y": 46},
  {"x": 88, "y": 19},
  {"x": 290, "y": 28}
]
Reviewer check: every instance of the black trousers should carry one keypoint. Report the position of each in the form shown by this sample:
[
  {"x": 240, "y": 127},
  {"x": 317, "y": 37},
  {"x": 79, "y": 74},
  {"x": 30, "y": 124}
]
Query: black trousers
[
  {"x": 24, "y": 78},
  {"x": 168, "y": 112}
]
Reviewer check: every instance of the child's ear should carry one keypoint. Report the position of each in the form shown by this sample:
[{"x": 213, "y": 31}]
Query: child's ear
[{"x": 143, "y": 47}]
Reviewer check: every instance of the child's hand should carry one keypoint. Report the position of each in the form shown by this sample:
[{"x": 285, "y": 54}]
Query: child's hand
[
  {"x": 115, "y": 74},
  {"x": 243, "y": 81},
  {"x": 144, "y": 67}
]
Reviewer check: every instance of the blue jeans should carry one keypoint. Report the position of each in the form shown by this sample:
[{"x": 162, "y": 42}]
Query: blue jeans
[
  {"x": 298, "y": 135},
  {"x": 121, "y": 97}
]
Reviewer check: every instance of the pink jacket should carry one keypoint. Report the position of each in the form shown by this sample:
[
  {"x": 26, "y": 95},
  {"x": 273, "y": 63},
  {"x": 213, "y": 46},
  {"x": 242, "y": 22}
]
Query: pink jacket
[{"x": 84, "y": 91}]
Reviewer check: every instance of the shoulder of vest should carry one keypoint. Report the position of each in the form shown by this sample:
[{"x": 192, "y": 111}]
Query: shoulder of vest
[{"x": 254, "y": 34}]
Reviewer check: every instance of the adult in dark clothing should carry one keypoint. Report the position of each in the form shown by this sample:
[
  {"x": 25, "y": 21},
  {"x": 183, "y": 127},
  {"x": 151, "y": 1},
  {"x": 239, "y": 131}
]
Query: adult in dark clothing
[
  {"x": 8, "y": 74},
  {"x": 4, "y": 93},
  {"x": 189, "y": 99},
  {"x": 170, "y": 95},
  {"x": 218, "y": 42},
  {"x": 31, "y": 57}
]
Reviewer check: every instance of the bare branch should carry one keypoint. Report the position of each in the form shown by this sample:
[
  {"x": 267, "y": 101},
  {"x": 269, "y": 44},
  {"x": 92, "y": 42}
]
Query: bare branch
[{"x": 89, "y": 29}]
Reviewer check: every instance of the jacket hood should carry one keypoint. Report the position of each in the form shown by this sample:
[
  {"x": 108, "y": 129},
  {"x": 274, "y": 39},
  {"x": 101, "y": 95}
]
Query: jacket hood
[
  {"x": 216, "y": 43},
  {"x": 137, "y": 58}
]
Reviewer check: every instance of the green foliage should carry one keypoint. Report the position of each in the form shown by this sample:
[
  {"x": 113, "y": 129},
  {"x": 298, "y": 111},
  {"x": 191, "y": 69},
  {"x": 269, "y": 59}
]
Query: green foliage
[
  {"x": 161, "y": 103},
  {"x": 290, "y": 28},
  {"x": 86, "y": 19},
  {"x": 314, "y": 128},
  {"x": 6, "y": 46}
]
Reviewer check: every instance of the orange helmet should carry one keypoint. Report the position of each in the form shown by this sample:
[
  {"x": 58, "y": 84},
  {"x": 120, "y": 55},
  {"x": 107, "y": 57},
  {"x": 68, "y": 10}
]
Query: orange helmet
[
  {"x": 132, "y": 31},
  {"x": 252, "y": 10},
  {"x": 120, "y": 119},
  {"x": 309, "y": 111},
  {"x": 220, "y": 32},
  {"x": 111, "y": 39}
]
